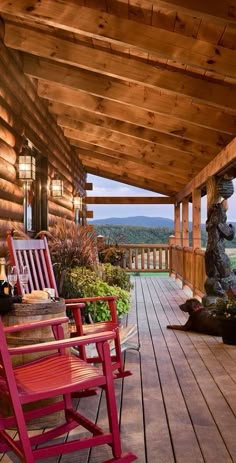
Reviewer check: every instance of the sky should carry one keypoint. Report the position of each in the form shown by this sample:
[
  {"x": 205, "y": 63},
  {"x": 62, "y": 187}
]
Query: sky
[{"x": 105, "y": 187}]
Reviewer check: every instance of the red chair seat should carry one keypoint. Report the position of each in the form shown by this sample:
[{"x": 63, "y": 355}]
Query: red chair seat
[{"x": 54, "y": 374}]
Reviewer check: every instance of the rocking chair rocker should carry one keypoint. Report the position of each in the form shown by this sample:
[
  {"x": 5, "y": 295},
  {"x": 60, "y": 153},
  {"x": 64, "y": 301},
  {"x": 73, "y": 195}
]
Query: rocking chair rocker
[
  {"x": 35, "y": 254},
  {"x": 43, "y": 379}
]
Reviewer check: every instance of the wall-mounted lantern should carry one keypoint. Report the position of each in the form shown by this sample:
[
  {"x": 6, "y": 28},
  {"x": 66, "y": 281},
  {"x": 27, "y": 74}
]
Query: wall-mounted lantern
[
  {"x": 26, "y": 165},
  {"x": 57, "y": 187},
  {"x": 26, "y": 171},
  {"x": 78, "y": 205}
]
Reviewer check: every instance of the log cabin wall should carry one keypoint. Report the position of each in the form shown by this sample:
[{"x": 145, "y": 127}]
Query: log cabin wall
[{"x": 23, "y": 113}]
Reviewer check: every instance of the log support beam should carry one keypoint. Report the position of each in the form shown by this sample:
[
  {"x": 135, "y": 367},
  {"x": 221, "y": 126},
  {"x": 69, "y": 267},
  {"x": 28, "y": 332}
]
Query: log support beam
[
  {"x": 212, "y": 194},
  {"x": 196, "y": 219},
  {"x": 129, "y": 200},
  {"x": 177, "y": 224},
  {"x": 185, "y": 220}
]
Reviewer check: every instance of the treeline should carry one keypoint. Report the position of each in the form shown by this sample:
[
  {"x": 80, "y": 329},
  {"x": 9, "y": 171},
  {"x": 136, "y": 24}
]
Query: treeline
[
  {"x": 118, "y": 234},
  {"x": 124, "y": 234}
]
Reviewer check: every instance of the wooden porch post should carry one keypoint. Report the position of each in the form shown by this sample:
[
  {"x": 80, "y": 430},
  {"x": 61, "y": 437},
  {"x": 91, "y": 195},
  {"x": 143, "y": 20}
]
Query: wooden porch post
[
  {"x": 185, "y": 231},
  {"x": 196, "y": 232},
  {"x": 212, "y": 193},
  {"x": 185, "y": 238},
  {"x": 177, "y": 224},
  {"x": 196, "y": 220}
]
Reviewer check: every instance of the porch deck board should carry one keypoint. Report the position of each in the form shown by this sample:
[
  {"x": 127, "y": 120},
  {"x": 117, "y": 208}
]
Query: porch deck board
[{"x": 179, "y": 405}]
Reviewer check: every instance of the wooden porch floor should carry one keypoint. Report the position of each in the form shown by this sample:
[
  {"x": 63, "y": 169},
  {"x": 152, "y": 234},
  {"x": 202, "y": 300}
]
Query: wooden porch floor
[{"x": 179, "y": 405}]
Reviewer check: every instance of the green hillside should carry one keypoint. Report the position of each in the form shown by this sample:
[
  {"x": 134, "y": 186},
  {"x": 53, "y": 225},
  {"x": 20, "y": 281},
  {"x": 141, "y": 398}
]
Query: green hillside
[
  {"x": 135, "y": 235},
  {"x": 127, "y": 234}
]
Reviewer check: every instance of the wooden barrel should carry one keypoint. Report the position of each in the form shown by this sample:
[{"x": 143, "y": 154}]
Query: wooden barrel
[{"x": 26, "y": 313}]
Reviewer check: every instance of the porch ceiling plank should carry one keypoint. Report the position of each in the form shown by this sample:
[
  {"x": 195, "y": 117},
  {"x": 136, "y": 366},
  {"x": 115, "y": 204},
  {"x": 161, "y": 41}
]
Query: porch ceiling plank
[
  {"x": 224, "y": 158},
  {"x": 152, "y": 174},
  {"x": 147, "y": 167},
  {"x": 71, "y": 78},
  {"x": 141, "y": 145},
  {"x": 24, "y": 39},
  {"x": 159, "y": 155},
  {"x": 175, "y": 127},
  {"x": 223, "y": 11},
  {"x": 68, "y": 117},
  {"x": 100, "y": 25},
  {"x": 180, "y": 168},
  {"x": 129, "y": 200},
  {"x": 130, "y": 179},
  {"x": 142, "y": 92}
]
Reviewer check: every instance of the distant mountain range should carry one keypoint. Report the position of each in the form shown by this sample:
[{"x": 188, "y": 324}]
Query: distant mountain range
[
  {"x": 137, "y": 221},
  {"x": 142, "y": 221}
]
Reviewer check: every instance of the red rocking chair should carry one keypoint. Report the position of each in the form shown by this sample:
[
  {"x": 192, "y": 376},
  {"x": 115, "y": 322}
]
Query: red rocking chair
[
  {"x": 35, "y": 254},
  {"x": 58, "y": 373}
]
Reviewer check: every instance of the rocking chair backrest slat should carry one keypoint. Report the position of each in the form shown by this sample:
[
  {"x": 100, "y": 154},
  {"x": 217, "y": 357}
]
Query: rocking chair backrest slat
[{"x": 35, "y": 254}]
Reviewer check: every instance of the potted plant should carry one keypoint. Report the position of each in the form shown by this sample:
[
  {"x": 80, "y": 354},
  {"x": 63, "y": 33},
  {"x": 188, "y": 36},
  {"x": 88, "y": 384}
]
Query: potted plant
[{"x": 225, "y": 311}]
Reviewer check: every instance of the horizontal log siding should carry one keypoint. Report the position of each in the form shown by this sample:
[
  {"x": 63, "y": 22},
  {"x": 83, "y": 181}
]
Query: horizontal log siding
[{"x": 23, "y": 112}]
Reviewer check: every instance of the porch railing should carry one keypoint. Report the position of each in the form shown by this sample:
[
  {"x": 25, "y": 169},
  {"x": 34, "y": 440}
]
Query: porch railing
[
  {"x": 188, "y": 265},
  {"x": 184, "y": 263},
  {"x": 146, "y": 257}
]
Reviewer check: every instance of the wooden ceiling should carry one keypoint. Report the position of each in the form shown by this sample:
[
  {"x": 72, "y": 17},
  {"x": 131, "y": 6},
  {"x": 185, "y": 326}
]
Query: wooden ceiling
[{"x": 145, "y": 90}]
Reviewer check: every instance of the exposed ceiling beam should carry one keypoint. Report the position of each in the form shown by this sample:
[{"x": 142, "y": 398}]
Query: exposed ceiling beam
[
  {"x": 129, "y": 200},
  {"x": 68, "y": 116},
  {"x": 184, "y": 161},
  {"x": 148, "y": 169},
  {"x": 160, "y": 105},
  {"x": 30, "y": 41},
  {"x": 223, "y": 11},
  {"x": 225, "y": 158},
  {"x": 131, "y": 145},
  {"x": 101, "y": 25},
  {"x": 72, "y": 97},
  {"x": 180, "y": 168}
]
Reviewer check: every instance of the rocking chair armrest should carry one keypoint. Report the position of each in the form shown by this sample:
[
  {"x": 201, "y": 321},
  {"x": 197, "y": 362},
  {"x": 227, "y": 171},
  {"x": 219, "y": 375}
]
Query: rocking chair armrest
[
  {"x": 111, "y": 300},
  {"x": 73, "y": 305},
  {"x": 64, "y": 343},
  {"x": 40, "y": 323}
]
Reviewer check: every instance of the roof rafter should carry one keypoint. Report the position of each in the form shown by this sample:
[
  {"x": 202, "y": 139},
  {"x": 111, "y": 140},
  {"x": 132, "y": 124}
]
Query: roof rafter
[
  {"x": 27, "y": 40},
  {"x": 98, "y": 24}
]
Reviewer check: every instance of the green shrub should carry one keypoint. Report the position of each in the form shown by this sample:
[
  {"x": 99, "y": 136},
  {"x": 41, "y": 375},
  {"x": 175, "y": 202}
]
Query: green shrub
[
  {"x": 116, "y": 276},
  {"x": 81, "y": 282}
]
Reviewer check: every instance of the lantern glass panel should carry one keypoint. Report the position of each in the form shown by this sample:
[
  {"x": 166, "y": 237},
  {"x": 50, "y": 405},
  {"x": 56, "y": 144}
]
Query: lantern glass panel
[
  {"x": 57, "y": 188},
  {"x": 26, "y": 167},
  {"x": 77, "y": 202}
]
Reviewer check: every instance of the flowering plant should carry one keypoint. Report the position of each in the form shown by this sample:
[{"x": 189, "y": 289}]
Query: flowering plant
[{"x": 224, "y": 309}]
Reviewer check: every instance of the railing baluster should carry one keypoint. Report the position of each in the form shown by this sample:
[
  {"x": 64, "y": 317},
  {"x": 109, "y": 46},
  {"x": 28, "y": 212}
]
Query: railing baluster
[
  {"x": 154, "y": 258},
  {"x": 142, "y": 259},
  {"x": 160, "y": 259},
  {"x": 148, "y": 258}
]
